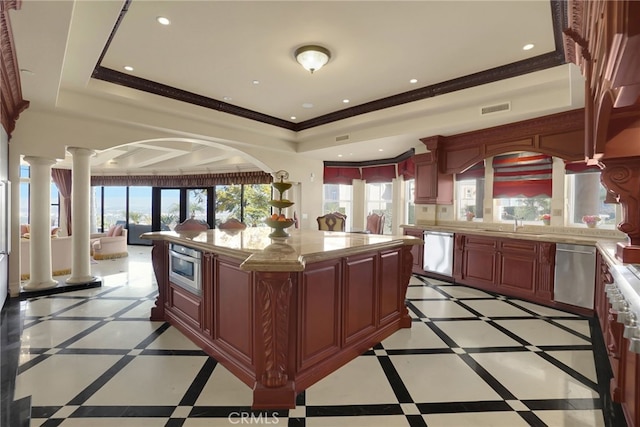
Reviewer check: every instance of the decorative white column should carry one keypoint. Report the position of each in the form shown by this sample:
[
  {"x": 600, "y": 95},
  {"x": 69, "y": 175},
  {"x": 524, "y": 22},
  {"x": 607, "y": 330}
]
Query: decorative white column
[
  {"x": 80, "y": 215},
  {"x": 40, "y": 275}
]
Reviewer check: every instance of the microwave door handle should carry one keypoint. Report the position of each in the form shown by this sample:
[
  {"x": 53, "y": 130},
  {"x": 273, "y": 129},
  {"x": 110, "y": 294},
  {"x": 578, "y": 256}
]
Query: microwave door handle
[{"x": 185, "y": 257}]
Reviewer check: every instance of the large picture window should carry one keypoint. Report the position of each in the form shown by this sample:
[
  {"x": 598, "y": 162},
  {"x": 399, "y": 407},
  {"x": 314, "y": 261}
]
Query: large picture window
[
  {"x": 337, "y": 198},
  {"x": 379, "y": 200},
  {"x": 586, "y": 196}
]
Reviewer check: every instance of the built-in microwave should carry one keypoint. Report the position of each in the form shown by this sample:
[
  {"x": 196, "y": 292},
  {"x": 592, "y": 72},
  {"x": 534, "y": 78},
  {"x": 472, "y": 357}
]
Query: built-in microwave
[{"x": 185, "y": 267}]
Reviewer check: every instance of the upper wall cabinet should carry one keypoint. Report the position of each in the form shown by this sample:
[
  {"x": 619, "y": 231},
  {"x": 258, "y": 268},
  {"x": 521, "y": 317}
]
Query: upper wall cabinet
[{"x": 432, "y": 186}]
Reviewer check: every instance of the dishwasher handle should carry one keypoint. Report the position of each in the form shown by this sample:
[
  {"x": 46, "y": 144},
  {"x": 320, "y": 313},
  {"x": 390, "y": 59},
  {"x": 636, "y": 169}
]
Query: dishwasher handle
[
  {"x": 575, "y": 252},
  {"x": 438, "y": 233}
]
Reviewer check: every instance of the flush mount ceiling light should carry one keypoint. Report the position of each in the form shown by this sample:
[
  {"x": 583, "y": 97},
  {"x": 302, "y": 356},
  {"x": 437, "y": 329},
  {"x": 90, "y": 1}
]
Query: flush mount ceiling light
[{"x": 312, "y": 57}]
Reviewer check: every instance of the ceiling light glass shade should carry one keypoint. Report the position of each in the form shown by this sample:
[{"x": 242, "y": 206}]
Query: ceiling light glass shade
[{"x": 312, "y": 58}]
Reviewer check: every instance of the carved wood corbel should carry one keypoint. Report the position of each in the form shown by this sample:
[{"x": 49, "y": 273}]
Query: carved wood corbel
[
  {"x": 10, "y": 87},
  {"x": 272, "y": 327},
  {"x": 622, "y": 177}
]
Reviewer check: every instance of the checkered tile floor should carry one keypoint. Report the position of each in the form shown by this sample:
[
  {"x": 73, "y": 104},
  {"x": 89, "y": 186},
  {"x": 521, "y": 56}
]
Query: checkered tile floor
[{"x": 92, "y": 358}]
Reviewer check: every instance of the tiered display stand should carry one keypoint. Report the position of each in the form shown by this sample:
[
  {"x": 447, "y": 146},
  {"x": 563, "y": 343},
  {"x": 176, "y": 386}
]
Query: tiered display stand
[{"x": 281, "y": 224}]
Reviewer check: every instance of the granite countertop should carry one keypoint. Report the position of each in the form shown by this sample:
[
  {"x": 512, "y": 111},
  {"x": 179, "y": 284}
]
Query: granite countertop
[
  {"x": 529, "y": 233},
  {"x": 281, "y": 254}
]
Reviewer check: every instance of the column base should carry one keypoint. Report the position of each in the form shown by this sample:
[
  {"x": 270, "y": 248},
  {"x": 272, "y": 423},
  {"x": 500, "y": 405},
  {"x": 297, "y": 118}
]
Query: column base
[
  {"x": 80, "y": 280},
  {"x": 33, "y": 285},
  {"x": 60, "y": 287}
]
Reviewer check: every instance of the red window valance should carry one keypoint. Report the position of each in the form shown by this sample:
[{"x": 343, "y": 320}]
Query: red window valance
[
  {"x": 522, "y": 174},
  {"x": 375, "y": 174},
  {"x": 407, "y": 169},
  {"x": 337, "y": 175}
]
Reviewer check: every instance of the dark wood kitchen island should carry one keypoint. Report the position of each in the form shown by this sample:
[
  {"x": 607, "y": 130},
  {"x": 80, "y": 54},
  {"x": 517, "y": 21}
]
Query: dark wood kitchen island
[{"x": 283, "y": 314}]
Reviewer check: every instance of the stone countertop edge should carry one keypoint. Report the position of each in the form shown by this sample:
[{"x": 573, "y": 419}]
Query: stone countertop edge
[
  {"x": 277, "y": 254},
  {"x": 524, "y": 235}
]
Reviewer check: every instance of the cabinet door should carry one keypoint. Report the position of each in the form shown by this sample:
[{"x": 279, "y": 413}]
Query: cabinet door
[
  {"x": 479, "y": 258},
  {"x": 416, "y": 250},
  {"x": 517, "y": 266},
  {"x": 426, "y": 179}
]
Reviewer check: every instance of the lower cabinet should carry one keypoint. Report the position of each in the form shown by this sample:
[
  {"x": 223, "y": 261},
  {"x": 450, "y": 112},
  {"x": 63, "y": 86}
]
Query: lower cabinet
[
  {"x": 520, "y": 268},
  {"x": 624, "y": 386}
]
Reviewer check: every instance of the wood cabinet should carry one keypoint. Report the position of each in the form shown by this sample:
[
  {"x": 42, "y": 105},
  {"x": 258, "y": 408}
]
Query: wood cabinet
[
  {"x": 514, "y": 267},
  {"x": 431, "y": 185},
  {"x": 624, "y": 387},
  {"x": 417, "y": 251}
]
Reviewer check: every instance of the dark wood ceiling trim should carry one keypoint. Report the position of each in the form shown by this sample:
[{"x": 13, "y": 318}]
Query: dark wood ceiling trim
[
  {"x": 149, "y": 86},
  {"x": 541, "y": 62},
  {"x": 11, "y": 100}
]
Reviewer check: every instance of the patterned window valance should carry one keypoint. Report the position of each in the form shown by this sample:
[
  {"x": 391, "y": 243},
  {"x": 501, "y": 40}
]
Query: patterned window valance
[
  {"x": 179, "y": 181},
  {"x": 522, "y": 174},
  {"x": 571, "y": 168}
]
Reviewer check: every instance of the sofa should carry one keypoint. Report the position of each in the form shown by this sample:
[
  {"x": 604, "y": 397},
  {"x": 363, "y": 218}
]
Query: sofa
[
  {"x": 109, "y": 245},
  {"x": 60, "y": 257}
]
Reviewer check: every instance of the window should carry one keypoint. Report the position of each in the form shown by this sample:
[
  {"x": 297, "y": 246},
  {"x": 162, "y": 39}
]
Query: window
[
  {"x": 522, "y": 186},
  {"x": 409, "y": 203},
  {"x": 256, "y": 204},
  {"x": 197, "y": 203},
  {"x": 469, "y": 190},
  {"x": 379, "y": 199},
  {"x": 25, "y": 189},
  {"x": 337, "y": 198},
  {"x": 55, "y": 205},
  {"x": 228, "y": 203},
  {"x": 586, "y": 196}
]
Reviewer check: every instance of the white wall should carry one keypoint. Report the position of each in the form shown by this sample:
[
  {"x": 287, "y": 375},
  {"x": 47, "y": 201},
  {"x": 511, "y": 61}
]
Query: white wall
[{"x": 4, "y": 175}]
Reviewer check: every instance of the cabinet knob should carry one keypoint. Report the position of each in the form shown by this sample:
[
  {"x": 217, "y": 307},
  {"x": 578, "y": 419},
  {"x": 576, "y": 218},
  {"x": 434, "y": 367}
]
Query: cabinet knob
[{"x": 630, "y": 327}]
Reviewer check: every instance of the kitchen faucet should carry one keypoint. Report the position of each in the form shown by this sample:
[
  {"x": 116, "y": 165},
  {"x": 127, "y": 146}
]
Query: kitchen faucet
[{"x": 516, "y": 227}]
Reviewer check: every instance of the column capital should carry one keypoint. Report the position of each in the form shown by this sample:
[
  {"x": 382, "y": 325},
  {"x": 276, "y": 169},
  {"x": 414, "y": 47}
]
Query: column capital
[
  {"x": 80, "y": 151},
  {"x": 40, "y": 161}
]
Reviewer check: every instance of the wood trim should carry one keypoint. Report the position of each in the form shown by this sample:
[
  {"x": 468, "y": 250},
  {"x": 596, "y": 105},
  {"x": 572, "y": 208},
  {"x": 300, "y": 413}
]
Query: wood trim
[
  {"x": 11, "y": 100},
  {"x": 458, "y": 152},
  {"x": 538, "y": 63}
]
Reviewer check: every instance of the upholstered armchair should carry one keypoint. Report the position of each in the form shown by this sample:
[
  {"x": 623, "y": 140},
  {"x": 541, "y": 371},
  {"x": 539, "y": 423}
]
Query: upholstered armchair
[
  {"x": 375, "y": 223},
  {"x": 334, "y": 221},
  {"x": 112, "y": 244}
]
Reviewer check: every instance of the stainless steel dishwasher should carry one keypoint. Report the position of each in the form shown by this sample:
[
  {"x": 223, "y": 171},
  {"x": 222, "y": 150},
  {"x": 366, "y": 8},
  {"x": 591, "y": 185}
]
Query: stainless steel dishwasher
[
  {"x": 438, "y": 253},
  {"x": 575, "y": 275}
]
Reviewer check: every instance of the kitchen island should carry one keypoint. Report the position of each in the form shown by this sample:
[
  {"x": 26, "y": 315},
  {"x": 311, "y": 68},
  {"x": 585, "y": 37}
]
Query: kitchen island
[{"x": 281, "y": 314}]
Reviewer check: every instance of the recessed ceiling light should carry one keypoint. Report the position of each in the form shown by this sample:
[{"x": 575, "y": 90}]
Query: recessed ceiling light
[
  {"x": 528, "y": 46},
  {"x": 339, "y": 155},
  {"x": 128, "y": 67},
  {"x": 380, "y": 149},
  {"x": 256, "y": 82},
  {"x": 413, "y": 81},
  {"x": 307, "y": 105},
  {"x": 26, "y": 72},
  {"x": 227, "y": 98},
  {"x": 345, "y": 101},
  {"x": 162, "y": 20},
  {"x": 293, "y": 117}
]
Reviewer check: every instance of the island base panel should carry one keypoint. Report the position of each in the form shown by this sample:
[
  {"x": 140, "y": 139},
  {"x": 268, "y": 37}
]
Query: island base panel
[{"x": 283, "y": 397}]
